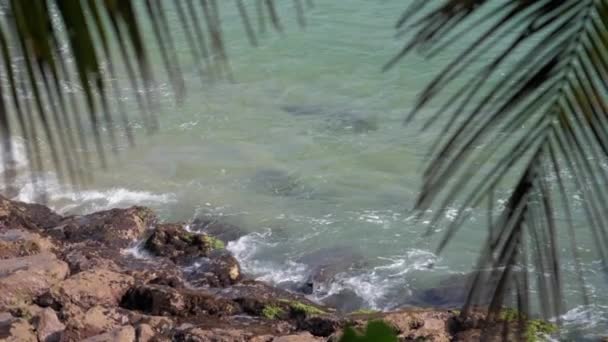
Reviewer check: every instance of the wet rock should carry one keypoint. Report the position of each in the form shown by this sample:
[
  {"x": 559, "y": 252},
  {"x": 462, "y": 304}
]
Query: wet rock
[
  {"x": 452, "y": 292},
  {"x": 25, "y": 278},
  {"x": 345, "y": 301},
  {"x": 93, "y": 287},
  {"x": 217, "y": 228},
  {"x": 219, "y": 269},
  {"x": 176, "y": 243},
  {"x": 117, "y": 228},
  {"x": 19, "y": 243},
  {"x": 326, "y": 263},
  {"x": 167, "y": 301},
  {"x": 19, "y": 215},
  {"x": 48, "y": 327},
  {"x": 123, "y": 334}
]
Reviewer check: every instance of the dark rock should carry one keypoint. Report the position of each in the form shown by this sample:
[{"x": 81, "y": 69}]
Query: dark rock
[
  {"x": 19, "y": 215},
  {"x": 116, "y": 228},
  {"x": 452, "y": 291},
  {"x": 218, "y": 269},
  {"x": 217, "y": 228},
  {"x": 320, "y": 325},
  {"x": 176, "y": 243},
  {"x": 167, "y": 301}
]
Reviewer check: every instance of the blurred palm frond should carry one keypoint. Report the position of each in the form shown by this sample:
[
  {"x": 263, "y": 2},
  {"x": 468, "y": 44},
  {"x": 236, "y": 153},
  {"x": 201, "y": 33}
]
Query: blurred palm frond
[
  {"x": 65, "y": 58},
  {"x": 528, "y": 110}
]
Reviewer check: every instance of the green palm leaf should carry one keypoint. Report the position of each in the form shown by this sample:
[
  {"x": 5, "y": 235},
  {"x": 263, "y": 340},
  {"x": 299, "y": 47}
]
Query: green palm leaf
[{"x": 544, "y": 115}]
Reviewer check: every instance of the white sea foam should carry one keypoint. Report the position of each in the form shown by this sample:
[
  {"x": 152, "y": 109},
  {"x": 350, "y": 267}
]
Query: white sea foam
[{"x": 245, "y": 250}]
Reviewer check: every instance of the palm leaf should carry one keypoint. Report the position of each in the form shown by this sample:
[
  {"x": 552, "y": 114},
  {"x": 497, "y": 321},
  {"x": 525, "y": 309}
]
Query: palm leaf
[
  {"x": 545, "y": 115},
  {"x": 48, "y": 45}
]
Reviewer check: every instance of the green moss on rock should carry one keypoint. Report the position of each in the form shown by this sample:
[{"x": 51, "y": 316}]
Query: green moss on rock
[
  {"x": 303, "y": 308},
  {"x": 535, "y": 328},
  {"x": 212, "y": 242},
  {"x": 272, "y": 312}
]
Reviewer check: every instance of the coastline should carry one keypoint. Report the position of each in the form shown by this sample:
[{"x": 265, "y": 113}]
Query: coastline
[{"x": 83, "y": 278}]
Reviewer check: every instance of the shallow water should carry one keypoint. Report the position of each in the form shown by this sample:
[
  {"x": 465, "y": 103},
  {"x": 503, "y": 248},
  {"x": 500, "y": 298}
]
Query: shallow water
[{"x": 306, "y": 150}]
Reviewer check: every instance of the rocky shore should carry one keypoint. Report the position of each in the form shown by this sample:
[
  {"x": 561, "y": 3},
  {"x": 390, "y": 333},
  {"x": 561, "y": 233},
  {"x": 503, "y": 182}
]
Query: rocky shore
[{"x": 77, "y": 279}]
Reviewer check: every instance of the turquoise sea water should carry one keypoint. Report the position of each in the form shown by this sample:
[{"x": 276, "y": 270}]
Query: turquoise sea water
[{"x": 306, "y": 149}]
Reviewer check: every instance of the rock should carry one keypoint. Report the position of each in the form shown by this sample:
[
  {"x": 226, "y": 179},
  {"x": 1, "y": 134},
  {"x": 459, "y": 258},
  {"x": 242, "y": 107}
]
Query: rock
[
  {"x": 16, "y": 330},
  {"x": 304, "y": 110},
  {"x": 217, "y": 228},
  {"x": 325, "y": 264},
  {"x": 302, "y": 337},
  {"x": 345, "y": 301},
  {"x": 167, "y": 301},
  {"x": 48, "y": 327},
  {"x": 19, "y": 215},
  {"x": 174, "y": 242},
  {"x": 320, "y": 325},
  {"x": 212, "y": 335},
  {"x": 144, "y": 333},
  {"x": 117, "y": 228},
  {"x": 97, "y": 320},
  {"x": 18, "y": 243},
  {"x": 452, "y": 292},
  {"x": 219, "y": 269},
  {"x": 87, "y": 256},
  {"x": 23, "y": 279},
  {"x": 94, "y": 287},
  {"x": 123, "y": 334},
  {"x": 426, "y": 325}
]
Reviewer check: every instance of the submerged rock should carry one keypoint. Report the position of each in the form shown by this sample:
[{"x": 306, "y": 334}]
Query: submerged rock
[
  {"x": 326, "y": 263},
  {"x": 279, "y": 183},
  {"x": 337, "y": 120}
]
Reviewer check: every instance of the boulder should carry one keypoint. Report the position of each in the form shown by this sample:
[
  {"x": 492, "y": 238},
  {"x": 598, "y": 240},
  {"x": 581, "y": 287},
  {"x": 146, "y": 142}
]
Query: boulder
[
  {"x": 23, "y": 279},
  {"x": 48, "y": 327},
  {"x": 217, "y": 228},
  {"x": 176, "y": 243},
  {"x": 19, "y": 215},
  {"x": 93, "y": 287},
  {"x": 18, "y": 243},
  {"x": 123, "y": 334},
  {"x": 117, "y": 228},
  {"x": 167, "y": 301},
  {"x": 218, "y": 269}
]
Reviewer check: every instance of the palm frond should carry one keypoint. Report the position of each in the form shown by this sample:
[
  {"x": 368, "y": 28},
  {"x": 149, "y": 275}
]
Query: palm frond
[
  {"x": 545, "y": 114},
  {"x": 49, "y": 45}
]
